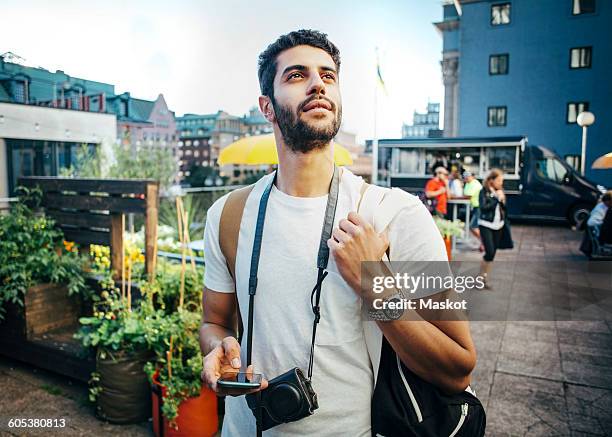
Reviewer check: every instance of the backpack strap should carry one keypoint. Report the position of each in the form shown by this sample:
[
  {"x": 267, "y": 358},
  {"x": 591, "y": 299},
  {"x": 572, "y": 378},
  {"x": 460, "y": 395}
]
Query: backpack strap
[
  {"x": 229, "y": 226},
  {"x": 378, "y": 206},
  {"x": 229, "y": 231}
]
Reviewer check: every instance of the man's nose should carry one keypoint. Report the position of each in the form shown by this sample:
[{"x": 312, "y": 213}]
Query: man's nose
[{"x": 316, "y": 85}]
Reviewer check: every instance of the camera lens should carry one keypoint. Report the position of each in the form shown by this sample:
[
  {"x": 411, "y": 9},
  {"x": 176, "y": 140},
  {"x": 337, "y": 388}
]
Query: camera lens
[{"x": 284, "y": 402}]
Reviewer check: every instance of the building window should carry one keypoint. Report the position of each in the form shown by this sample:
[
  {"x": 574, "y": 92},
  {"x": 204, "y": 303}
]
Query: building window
[
  {"x": 573, "y": 161},
  {"x": 496, "y": 116},
  {"x": 500, "y": 14},
  {"x": 575, "y": 108},
  {"x": 20, "y": 93},
  {"x": 580, "y": 57},
  {"x": 583, "y": 7},
  {"x": 498, "y": 64}
]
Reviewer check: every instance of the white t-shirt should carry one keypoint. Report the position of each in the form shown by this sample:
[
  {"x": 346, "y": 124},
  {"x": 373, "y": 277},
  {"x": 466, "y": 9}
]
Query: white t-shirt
[
  {"x": 342, "y": 375},
  {"x": 497, "y": 222}
]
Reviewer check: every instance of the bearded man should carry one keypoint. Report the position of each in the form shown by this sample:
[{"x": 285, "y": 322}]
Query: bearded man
[{"x": 300, "y": 96}]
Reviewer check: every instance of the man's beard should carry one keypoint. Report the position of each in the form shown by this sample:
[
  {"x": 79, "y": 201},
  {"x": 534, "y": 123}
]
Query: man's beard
[{"x": 299, "y": 135}]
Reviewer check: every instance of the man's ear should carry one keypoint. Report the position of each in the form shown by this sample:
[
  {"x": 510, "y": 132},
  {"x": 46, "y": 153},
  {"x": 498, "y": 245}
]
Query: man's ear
[{"x": 266, "y": 108}]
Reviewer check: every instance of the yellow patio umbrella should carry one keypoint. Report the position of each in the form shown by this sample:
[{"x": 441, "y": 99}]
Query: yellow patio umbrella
[
  {"x": 604, "y": 161},
  {"x": 261, "y": 149}
]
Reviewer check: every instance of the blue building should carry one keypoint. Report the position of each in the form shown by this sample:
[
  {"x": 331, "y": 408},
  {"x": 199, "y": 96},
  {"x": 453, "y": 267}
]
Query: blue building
[{"x": 525, "y": 67}]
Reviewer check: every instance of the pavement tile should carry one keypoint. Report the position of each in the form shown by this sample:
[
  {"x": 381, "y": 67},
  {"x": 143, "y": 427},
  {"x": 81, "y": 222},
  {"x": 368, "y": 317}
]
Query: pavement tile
[
  {"x": 597, "y": 340},
  {"x": 586, "y": 355},
  {"x": 532, "y": 358},
  {"x": 583, "y": 373},
  {"x": 487, "y": 336},
  {"x": 482, "y": 378},
  {"x": 590, "y": 405},
  {"x": 585, "y": 326},
  {"x": 526, "y": 331},
  {"x": 526, "y": 406}
]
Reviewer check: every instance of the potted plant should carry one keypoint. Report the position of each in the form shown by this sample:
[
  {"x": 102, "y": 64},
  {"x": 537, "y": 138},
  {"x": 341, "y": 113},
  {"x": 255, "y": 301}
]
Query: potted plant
[
  {"x": 449, "y": 229},
  {"x": 41, "y": 276},
  {"x": 115, "y": 330},
  {"x": 187, "y": 408}
]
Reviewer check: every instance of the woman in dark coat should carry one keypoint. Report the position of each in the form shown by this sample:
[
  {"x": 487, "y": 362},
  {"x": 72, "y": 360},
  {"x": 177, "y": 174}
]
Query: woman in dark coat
[{"x": 492, "y": 223}]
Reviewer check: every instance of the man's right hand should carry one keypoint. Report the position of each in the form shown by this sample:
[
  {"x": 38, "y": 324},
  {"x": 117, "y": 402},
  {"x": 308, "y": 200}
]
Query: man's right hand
[{"x": 225, "y": 358}]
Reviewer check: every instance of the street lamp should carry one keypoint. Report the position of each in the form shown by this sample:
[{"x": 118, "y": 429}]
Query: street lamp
[{"x": 584, "y": 120}]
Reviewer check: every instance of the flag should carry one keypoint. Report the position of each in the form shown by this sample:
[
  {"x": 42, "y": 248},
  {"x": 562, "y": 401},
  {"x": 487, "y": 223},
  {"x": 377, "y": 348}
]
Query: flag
[{"x": 379, "y": 74}]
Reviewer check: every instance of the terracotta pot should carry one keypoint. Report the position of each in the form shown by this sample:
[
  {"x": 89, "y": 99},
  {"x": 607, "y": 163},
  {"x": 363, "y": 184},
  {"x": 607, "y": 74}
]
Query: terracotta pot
[
  {"x": 197, "y": 416},
  {"x": 449, "y": 247}
]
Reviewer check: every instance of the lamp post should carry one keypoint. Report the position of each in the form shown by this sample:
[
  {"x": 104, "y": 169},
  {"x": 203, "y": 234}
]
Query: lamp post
[{"x": 584, "y": 120}]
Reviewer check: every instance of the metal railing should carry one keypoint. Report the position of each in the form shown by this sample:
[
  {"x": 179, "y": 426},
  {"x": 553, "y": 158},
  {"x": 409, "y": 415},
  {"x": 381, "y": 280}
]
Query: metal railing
[{"x": 5, "y": 203}]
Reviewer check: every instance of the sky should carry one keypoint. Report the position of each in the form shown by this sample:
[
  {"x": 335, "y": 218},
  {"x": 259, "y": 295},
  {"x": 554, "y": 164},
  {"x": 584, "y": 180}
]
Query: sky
[{"x": 202, "y": 55}]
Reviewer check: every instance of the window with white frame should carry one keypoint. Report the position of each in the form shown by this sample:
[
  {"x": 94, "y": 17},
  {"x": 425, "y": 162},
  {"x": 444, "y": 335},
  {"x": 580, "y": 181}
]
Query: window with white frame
[
  {"x": 496, "y": 116},
  {"x": 580, "y": 57},
  {"x": 580, "y": 7},
  {"x": 500, "y": 14}
]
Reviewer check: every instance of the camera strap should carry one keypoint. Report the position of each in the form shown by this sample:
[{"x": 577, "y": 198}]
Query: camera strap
[{"x": 322, "y": 260}]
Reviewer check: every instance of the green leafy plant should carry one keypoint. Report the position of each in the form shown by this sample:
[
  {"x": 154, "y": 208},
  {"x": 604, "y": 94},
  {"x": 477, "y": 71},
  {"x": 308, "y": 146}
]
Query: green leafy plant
[
  {"x": 178, "y": 363},
  {"x": 114, "y": 327},
  {"x": 88, "y": 162},
  {"x": 449, "y": 228},
  {"x": 172, "y": 332},
  {"x": 135, "y": 162},
  {"x": 32, "y": 251}
]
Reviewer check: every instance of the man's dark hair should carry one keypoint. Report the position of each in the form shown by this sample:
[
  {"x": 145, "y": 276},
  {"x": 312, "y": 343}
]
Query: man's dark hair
[{"x": 267, "y": 58}]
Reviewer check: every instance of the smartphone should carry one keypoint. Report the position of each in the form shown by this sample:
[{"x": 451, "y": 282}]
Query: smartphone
[{"x": 240, "y": 381}]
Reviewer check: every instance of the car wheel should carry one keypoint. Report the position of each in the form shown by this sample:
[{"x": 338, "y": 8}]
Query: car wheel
[{"x": 579, "y": 214}]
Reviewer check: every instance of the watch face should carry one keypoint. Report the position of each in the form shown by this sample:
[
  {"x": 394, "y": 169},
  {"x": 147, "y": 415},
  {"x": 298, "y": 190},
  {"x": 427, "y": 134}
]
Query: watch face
[{"x": 393, "y": 314}]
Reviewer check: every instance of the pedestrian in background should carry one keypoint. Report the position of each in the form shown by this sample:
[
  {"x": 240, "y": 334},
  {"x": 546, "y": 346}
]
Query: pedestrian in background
[
  {"x": 472, "y": 189},
  {"x": 598, "y": 217},
  {"x": 492, "y": 222},
  {"x": 437, "y": 191},
  {"x": 456, "y": 184}
]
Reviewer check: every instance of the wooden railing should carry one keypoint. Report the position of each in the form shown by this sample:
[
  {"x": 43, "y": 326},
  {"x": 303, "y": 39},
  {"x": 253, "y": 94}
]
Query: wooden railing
[{"x": 91, "y": 211}]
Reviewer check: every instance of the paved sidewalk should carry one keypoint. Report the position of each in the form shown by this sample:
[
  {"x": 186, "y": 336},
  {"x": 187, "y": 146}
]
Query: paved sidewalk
[
  {"x": 544, "y": 378},
  {"x": 28, "y": 392}
]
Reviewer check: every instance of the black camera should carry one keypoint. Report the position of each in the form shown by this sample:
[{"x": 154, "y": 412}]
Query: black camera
[{"x": 288, "y": 397}]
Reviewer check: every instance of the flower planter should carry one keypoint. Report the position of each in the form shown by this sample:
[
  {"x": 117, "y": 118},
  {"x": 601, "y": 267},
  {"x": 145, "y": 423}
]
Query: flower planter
[
  {"x": 124, "y": 397},
  {"x": 448, "y": 242},
  {"x": 46, "y": 307},
  {"x": 197, "y": 417}
]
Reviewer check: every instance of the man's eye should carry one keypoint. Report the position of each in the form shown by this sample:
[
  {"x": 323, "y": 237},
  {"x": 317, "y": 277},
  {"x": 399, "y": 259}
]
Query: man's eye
[
  {"x": 292, "y": 75},
  {"x": 329, "y": 76}
]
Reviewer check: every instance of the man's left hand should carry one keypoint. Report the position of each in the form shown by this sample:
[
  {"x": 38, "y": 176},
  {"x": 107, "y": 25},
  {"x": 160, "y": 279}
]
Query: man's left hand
[{"x": 353, "y": 242}]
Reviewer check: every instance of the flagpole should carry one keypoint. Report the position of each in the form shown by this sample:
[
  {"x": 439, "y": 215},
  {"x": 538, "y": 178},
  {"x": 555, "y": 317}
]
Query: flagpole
[{"x": 374, "y": 178}]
